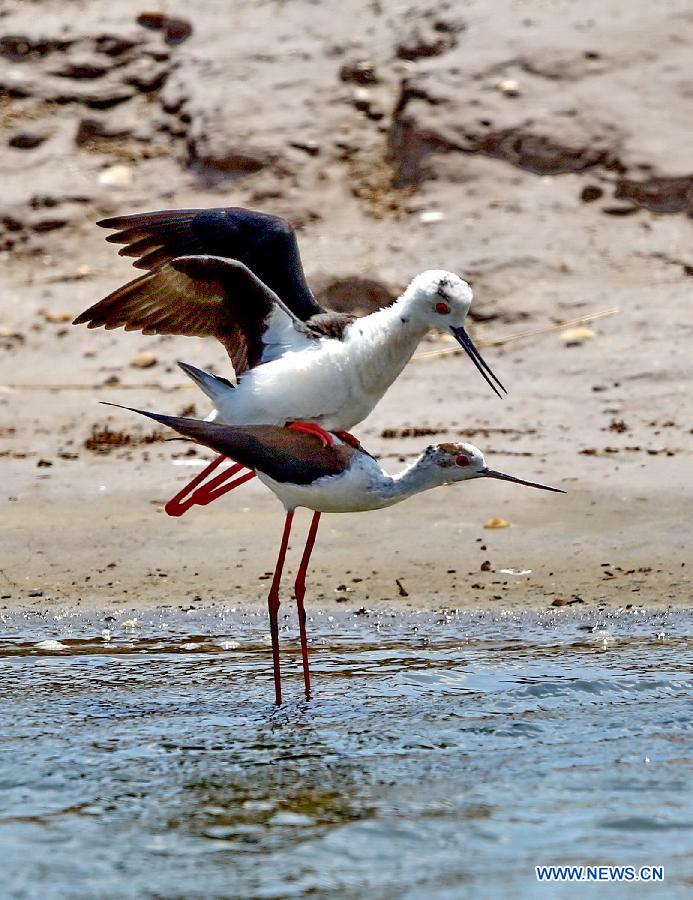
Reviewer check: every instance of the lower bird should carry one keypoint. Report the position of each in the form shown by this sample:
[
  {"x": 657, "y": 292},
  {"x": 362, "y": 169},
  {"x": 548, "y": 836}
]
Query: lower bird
[{"x": 304, "y": 470}]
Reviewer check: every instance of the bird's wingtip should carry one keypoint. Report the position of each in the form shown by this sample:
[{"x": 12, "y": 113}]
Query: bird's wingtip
[
  {"x": 188, "y": 368},
  {"x": 157, "y": 417},
  {"x": 120, "y": 406}
]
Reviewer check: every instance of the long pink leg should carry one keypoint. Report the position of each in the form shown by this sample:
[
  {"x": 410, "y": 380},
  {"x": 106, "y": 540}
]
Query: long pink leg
[
  {"x": 314, "y": 429},
  {"x": 300, "y": 590},
  {"x": 212, "y": 490},
  {"x": 177, "y": 505},
  {"x": 349, "y": 439},
  {"x": 273, "y": 606},
  {"x": 189, "y": 496}
]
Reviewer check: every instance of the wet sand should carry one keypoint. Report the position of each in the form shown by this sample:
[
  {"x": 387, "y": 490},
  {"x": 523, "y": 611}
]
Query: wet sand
[{"x": 536, "y": 207}]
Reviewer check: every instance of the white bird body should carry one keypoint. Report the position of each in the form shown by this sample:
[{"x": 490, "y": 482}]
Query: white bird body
[
  {"x": 365, "y": 486},
  {"x": 236, "y": 275},
  {"x": 334, "y": 383},
  {"x": 361, "y": 487}
]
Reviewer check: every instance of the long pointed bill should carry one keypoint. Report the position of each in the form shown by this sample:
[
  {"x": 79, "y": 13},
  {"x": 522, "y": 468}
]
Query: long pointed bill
[
  {"x": 467, "y": 345},
  {"x": 491, "y": 473}
]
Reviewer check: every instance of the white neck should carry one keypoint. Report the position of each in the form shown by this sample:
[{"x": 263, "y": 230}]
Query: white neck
[
  {"x": 415, "y": 479},
  {"x": 386, "y": 339}
]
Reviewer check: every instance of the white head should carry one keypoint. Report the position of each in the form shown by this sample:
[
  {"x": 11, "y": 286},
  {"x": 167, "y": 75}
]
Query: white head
[
  {"x": 447, "y": 463},
  {"x": 441, "y": 300}
]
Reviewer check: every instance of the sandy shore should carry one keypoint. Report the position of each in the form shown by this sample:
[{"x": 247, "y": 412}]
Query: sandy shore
[{"x": 386, "y": 174}]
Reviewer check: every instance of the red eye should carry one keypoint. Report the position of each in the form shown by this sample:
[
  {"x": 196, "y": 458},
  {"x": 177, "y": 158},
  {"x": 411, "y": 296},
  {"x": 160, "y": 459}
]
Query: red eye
[
  {"x": 442, "y": 308},
  {"x": 462, "y": 460}
]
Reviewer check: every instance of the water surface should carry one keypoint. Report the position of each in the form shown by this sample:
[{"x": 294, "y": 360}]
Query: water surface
[{"x": 444, "y": 754}]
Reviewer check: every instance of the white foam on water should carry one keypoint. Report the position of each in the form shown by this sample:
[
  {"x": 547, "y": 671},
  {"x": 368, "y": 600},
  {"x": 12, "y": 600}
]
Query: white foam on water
[
  {"x": 228, "y": 645},
  {"x": 51, "y": 645}
]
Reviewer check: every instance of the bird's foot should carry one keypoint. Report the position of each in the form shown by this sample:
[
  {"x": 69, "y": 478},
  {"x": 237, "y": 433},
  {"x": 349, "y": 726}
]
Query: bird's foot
[
  {"x": 349, "y": 439},
  {"x": 314, "y": 429}
]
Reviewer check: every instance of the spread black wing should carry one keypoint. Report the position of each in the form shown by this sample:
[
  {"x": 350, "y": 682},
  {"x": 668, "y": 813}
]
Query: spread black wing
[
  {"x": 265, "y": 244},
  {"x": 204, "y": 296}
]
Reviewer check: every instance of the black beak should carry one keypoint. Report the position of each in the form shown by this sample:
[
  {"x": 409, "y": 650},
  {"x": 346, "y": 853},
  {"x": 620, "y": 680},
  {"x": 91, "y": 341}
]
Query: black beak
[
  {"x": 491, "y": 473},
  {"x": 468, "y": 346}
]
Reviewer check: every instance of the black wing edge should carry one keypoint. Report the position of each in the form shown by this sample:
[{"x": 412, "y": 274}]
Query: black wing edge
[
  {"x": 265, "y": 243},
  {"x": 253, "y": 447}
]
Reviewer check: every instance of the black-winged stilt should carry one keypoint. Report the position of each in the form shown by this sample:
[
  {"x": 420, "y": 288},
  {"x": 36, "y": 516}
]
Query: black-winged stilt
[
  {"x": 304, "y": 470},
  {"x": 236, "y": 274}
]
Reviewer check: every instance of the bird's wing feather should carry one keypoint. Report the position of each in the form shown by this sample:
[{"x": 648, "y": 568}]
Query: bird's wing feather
[
  {"x": 205, "y": 296},
  {"x": 282, "y": 453},
  {"x": 265, "y": 244}
]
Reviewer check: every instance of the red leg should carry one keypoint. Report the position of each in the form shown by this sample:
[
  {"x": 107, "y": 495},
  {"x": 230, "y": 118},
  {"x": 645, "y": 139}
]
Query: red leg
[
  {"x": 349, "y": 439},
  {"x": 176, "y": 505},
  {"x": 314, "y": 429},
  {"x": 204, "y": 494},
  {"x": 273, "y": 606},
  {"x": 300, "y": 589},
  {"x": 212, "y": 490}
]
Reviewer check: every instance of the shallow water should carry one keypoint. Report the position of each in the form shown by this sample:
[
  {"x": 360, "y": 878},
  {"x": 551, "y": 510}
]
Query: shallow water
[{"x": 443, "y": 756}]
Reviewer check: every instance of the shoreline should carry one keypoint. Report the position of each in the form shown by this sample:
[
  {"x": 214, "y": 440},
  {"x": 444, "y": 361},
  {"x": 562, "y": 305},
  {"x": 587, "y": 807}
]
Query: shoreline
[
  {"x": 225, "y": 554},
  {"x": 522, "y": 140}
]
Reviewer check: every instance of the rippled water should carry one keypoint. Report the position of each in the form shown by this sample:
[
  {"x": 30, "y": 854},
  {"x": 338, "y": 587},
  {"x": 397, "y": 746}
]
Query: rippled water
[{"x": 443, "y": 755}]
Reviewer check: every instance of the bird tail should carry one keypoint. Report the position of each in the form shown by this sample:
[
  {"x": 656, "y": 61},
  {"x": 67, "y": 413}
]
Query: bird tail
[
  {"x": 281, "y": 453},
  {"x": 209, "y": 433},
  {"x": 212, "y": 385}
]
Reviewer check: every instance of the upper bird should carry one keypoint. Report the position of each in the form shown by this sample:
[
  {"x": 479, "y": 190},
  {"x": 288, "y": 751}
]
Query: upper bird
[{"x": 236, "y": 274}]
